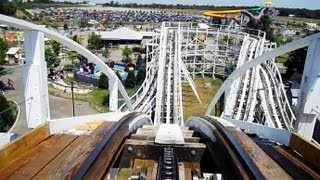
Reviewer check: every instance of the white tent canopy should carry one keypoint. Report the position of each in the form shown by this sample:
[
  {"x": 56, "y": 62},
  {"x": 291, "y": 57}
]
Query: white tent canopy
[
  {"x": 13, "y": 51},
  {"x": 123, "y": 33}
]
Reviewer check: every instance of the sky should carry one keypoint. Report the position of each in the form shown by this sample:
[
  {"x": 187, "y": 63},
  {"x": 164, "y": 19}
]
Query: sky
[{"x": 309, "y": 4}]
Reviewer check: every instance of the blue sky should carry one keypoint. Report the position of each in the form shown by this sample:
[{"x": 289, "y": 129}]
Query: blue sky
[{"x": 309, "y": 4}]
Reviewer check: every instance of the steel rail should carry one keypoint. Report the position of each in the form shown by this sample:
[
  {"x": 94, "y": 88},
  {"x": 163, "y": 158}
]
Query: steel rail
[
  {"x": 241, "y": 161},
  {"x": 118, "y": 133}
]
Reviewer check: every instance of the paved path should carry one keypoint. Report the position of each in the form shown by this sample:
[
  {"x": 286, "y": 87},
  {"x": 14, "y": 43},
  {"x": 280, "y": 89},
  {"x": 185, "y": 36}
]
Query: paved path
[
  {"x": 15, "y": 73},
  {"x": 62, "y": 108},
  {"x": 59, "y": 107}
]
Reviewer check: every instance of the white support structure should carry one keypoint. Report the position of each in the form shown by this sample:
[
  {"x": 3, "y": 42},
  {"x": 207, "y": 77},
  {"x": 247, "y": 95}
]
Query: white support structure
[
  {"x": 274, "y": 102},
  {"x": 309, "y": 98},
  {"x": 231, "y": 94},
  {"x": 180, "y": 50},
  {"x": 161, "y": 73},
  {"x": 113, "y": 94},
  {"x": 35, "y": 80},
  {"x": 26, "y": 26}
]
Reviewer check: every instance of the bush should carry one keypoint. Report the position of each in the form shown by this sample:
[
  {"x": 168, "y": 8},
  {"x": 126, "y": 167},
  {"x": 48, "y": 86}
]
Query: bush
[
  {"x": 4, "y": 45},
  {"x": 140, "y": 60},
  {"x": 136, "y": 49},
  {"x": 131, "y": 80},
  {"x": 141, "y": 75},
  {"x": 51, "y": 59},
  {"x": 94, "y": 41},
  {"x": 6, "y": 118},
  {"x": 103, "y": 82},
  {"x": 126, "y": 52},
  {"x": 68, "y": 67},
  {"x": 106, "y": 99},
  {"x": 119, "y": 76}
]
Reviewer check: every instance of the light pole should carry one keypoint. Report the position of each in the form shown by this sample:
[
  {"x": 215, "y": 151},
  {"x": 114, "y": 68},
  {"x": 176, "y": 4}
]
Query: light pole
[{"x": 72, "y": 97}]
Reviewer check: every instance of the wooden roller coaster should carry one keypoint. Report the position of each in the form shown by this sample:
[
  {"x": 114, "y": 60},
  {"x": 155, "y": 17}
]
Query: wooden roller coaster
[{"x": 127, "y": 149}]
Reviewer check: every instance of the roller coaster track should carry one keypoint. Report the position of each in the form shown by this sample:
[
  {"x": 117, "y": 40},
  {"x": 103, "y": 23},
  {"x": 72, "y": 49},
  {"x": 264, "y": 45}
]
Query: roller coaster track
[
  {"x": 160, "y": 95},
  {"x": 258, "y": 96},
  {"x": 168, "y": 62},
  {"x": 228, "y": 154}
]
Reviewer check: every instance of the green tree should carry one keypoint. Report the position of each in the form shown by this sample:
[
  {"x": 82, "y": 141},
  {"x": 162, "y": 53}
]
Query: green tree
[
  {"x": 131, "y": 80},
  {"x": 55, "y": 47},
  {"x": 103, "y": 81},
  {"x": 126, "y": 52},
  {"x": 52, "y": 59},
  {"x": 8, "y": 8},
  {"x": 6, "y": 117},
  {"x": 3, "y": 49},
  {"x": 140, "y": 60},
  {"x": 84, "y": 24},
  {"x": 94, "y": 41},
  {"x": 264, "y": 24},
  {"x": 106, "y": 53},
  {"x": 141, "y": 75},
  {"x": 295, "y": 62}
]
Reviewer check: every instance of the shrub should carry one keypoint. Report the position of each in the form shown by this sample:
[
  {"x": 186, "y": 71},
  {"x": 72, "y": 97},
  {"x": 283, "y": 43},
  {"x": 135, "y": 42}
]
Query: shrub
[
  {"x": 141, "y": 75},
  {"x": 103, "y": 82},
  {"x": 68, "y": 67},
  {"x": 131, "y": 80},
  {"x": 7, "y": 117}
]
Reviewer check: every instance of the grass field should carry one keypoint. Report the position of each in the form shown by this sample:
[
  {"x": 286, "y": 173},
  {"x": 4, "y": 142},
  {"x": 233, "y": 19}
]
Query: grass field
[
  {"x": 95, "y": 98},
  {"x": 296, "y": 20},
  {"x": 282, "y": 59},
  {"x": 191, "y": 106}
]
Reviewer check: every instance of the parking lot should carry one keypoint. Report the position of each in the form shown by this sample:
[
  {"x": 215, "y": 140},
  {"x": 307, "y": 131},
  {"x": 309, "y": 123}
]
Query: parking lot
[{"x": 103, "y": 14}]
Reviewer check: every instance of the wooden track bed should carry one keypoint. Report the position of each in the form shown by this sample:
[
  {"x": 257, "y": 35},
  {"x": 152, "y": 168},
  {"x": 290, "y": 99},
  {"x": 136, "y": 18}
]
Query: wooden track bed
[{"x": 55, "y": 157}]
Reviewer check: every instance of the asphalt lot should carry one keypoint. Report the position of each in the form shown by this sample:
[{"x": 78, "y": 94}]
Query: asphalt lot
[{"x": 107, "y": 14}]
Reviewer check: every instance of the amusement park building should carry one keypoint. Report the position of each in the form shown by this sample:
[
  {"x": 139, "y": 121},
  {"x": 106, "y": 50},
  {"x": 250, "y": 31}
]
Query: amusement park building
[{"x": 123, "y": 36}]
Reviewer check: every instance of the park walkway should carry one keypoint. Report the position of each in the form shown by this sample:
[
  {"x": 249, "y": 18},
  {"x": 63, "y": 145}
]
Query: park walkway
[{"x": 59, "y": 107}]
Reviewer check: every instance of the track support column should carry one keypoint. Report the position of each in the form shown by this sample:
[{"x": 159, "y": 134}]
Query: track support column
[
  {"x": 308, "y": 103},
  {"x": 113, "y": 94},
  {"x": 35, "y": 80}
]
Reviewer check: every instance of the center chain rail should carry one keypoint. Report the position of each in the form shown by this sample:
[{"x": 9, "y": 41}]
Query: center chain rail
[{"x": 168, "y": 166}]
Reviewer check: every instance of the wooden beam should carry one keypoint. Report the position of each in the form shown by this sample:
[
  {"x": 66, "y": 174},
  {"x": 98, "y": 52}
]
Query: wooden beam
[
  {"x": 143, "y": 149},
  {"x": 73, "y": 161},
  {"x": 267, "y": 166},
  {"x": 50, "y": 170},
  {"x": 23, "y": 144},
  {"x": 296, "y": 160},
  {"x": 34, "y": 160},
  {"x": 152, "y": 138},
  {"x": 108, "y": 155},
  {"x": 142, "y": 163},
  {"x": 308, "y": 150}
]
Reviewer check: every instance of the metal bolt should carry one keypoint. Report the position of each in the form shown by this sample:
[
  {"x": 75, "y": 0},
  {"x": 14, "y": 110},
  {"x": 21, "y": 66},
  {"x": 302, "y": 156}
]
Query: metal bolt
[
  {"x": 130, "y": 149},
  {"x": 193, "y": 152}
]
